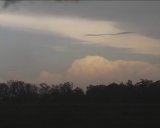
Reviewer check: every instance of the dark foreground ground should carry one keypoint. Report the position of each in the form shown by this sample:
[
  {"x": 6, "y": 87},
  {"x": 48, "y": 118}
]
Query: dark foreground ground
[{"x": 83, "y": 115}]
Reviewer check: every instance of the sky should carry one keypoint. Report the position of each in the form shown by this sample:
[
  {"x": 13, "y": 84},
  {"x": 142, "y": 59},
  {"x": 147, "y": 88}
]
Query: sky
[{"x": 85, "y": 42}]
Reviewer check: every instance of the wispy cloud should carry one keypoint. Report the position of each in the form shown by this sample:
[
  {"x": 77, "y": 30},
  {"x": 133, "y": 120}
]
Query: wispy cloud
[
  {"x": 110, "y": 34},
  {"x": 76, "y": 28}
]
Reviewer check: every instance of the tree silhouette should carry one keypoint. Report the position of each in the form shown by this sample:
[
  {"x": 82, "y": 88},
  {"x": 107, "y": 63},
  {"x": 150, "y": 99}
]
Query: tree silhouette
[{"x": 19, "y": 91}]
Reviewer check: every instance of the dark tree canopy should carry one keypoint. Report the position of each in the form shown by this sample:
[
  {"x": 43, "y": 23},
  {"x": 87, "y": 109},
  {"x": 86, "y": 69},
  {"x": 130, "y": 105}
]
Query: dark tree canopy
[{"x": 19, "y": 91}]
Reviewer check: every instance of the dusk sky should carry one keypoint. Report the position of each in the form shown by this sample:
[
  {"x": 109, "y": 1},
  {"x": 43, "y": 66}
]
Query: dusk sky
[{"x": 85, "y": 42}]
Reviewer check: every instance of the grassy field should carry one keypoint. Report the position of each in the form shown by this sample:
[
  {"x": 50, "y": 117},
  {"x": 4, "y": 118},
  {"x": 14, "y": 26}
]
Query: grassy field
[{"x": 84, "y": 115}]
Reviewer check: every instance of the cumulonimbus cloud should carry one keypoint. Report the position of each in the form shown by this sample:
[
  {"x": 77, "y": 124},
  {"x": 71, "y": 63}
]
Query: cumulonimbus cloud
[{"x": 100, "y": 70}]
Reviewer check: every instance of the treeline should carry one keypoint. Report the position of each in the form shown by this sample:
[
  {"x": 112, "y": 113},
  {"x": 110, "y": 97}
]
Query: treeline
[{"x": 21, "y": 92}]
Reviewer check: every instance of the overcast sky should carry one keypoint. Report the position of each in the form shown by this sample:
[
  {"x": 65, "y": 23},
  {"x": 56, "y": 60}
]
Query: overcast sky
[{"x": 86, "y": 42}]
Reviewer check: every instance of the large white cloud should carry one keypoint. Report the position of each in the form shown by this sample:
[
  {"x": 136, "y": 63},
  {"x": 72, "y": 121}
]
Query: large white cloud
[
  {"x": 78, "y": 28},
  {"x": 99, "y": 70}
]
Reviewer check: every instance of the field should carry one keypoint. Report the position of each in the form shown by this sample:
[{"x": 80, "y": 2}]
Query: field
[{"x": 84, "y": 115}]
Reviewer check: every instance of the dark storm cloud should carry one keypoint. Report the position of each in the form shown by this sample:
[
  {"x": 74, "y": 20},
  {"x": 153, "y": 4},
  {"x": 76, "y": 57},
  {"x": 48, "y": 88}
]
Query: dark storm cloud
[{"x": 141, "y": 17}]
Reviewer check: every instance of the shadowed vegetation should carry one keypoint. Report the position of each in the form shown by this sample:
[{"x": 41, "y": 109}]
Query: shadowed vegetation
[
  {"x": 24, "y": 105},
  {"x": 18, "y": 91}
]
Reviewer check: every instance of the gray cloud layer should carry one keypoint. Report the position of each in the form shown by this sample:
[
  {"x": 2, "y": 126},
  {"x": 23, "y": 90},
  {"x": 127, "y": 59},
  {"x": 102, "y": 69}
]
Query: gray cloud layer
[
  {"x": 40, "y": 52},
  {"x": 139, "y": 16}
]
